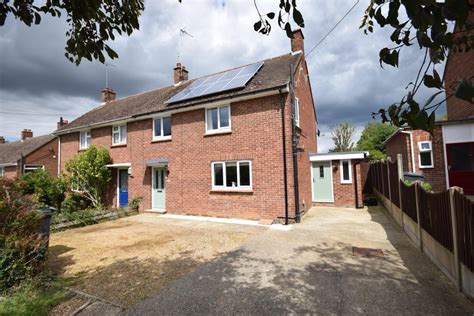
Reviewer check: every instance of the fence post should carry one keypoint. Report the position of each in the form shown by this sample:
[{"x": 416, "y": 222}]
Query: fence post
[
  {"x": 400, "y": 177},
  {"x": 388, "y": 182},
  {"x": 418, "y": 217},
  {"x": 457, "y": 264}
]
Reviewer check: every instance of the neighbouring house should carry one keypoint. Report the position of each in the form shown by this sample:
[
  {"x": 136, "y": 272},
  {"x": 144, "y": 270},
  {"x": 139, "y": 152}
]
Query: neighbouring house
[
  {"x": 336, "y": 178},
  {"x": 231, "y": 144},
  {"x": 28, "y": 154},
  {"x": 444, "y": 158}
]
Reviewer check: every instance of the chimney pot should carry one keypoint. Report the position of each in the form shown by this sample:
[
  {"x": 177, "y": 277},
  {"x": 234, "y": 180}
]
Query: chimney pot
[
  {"x": 26, "y": 133},
  {"x": 297, "y": 42},
  {"x": 108, "y": 95},
  {"x": 61, "y": 122},
  {"x": 2, "y": 140},
  {"x": 180, "y": 73}
]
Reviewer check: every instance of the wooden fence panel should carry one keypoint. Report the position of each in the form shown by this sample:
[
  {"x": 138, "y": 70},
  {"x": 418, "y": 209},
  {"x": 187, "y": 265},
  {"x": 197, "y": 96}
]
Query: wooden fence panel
[
  {"x": 435, "y": 216},
  {"x": 394, "y": 183},
  {"x": 409, "y": 200},
  {"x": 384, "y": 171},
  {"x": 465, "y": 224}
]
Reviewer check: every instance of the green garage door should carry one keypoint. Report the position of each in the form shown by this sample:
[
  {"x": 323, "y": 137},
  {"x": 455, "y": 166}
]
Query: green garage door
[{"x": 322, "y": 181}]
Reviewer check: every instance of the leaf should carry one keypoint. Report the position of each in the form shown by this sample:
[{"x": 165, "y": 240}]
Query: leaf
[
  {"x": 465, "y": 91},
  {"x": 288, "y": 30},
  {"x": 298, "y": 17},
  {"x": 433, "y": 81},
  {"x": 271, "y": 15},
  {"x": 431, "y": 98},
  {"x": 257, "y": 25}
]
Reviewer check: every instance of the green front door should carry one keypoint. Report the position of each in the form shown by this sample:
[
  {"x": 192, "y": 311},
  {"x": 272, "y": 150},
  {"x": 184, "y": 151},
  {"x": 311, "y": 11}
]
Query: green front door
[
  {"x": 322, "y": 181},
  {"x": 159, "y": 190}
]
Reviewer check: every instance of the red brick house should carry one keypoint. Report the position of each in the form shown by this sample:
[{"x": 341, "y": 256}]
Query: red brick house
[
  {"x": 231, "y": 144},
  {"x": 445, "y": 158},
  {"x": 28, "y": 154}
]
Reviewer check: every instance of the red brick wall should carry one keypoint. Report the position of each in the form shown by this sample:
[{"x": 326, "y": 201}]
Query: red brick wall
[
  {"x": 460, "y": 65},
  {"x": 11, "y": 172},
  {"x": 344, "y": 193},
  {"x": 46, "y": 155},
  {"x": 435, "y": 175},
  {"x": 307, "y": 135},
  {"x": 256, "y": 136}
]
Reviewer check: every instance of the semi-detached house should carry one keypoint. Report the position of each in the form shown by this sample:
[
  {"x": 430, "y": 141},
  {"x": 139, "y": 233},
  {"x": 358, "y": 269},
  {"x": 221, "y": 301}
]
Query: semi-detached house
[{"x": 231, "y": 144}]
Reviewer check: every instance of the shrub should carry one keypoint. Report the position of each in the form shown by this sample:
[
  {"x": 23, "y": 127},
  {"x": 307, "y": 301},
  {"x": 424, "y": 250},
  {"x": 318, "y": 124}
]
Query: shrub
[
  {"x": 21, "y": 246},
  {"x": 134, "y": 204},
  {"x": 74, "y": 202},
  {"x": 46, "y": 190},
  {"x": 425, "y": 185}
]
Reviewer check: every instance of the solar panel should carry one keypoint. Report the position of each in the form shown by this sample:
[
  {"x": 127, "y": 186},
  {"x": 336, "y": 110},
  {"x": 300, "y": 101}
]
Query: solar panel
[{"x": 228, "y": 80}]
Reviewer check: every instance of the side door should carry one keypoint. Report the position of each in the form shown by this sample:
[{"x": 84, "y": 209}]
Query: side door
[
  {"x": 461, "y": 166},
  {"x": 159, "y": 189},
  {"x": 322, "y": 181}
]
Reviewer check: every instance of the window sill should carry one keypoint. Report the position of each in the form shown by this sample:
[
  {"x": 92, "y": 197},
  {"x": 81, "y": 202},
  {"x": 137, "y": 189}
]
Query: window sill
[
  {"x": 118, "y": 145},
  {"x": 426, "y": 167},
  {"x": 218, "y": 132},
  {"x": 231, "y": 190},
  {"x": 346, "y": 182},
  {"x": 162, "y": 139}
]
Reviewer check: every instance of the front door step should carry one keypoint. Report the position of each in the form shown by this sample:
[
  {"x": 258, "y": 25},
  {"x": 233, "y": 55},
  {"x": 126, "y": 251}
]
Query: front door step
[{"x": 152, "y": 210}]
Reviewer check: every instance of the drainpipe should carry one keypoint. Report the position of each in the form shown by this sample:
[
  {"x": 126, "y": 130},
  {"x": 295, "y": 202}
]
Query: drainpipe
[
  {"x": 285, "y": 173},
  {"x": 294, "y": 147},
  {"x": 356, "y": 189},
  {"x": 412, "y": 151}
]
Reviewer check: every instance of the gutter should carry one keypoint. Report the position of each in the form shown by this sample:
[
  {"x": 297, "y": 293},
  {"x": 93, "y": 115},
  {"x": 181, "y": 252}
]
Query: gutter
[
  {"x": 285, "y": 172},
  {"x": 411, "y": 149},
  {"x": 9, "y": 164},
  {"x": 201, "y": 105}
]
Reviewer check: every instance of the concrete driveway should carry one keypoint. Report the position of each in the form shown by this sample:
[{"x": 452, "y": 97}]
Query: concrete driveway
[{"x": 311, "y": 269}]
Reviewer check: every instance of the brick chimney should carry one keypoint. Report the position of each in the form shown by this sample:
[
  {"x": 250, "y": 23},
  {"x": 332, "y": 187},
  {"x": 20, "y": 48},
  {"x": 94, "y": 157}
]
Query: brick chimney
[
  {"x": 180, "y": 73},
  {"x": 26, "y": 133},
  {"x": 2, "y": 140},
  {"x": 61, "y": 122},
  {"x": 108, "y": 95},
  {"x": 297, "y": 42}
]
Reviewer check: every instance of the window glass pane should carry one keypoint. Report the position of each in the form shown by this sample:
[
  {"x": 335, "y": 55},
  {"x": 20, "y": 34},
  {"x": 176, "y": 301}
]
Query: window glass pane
[
  {"x": 83, "y": 139},
  {"x": 116, "y": 138},
  {"x": 231, "y": 174},
  {"x": 321, "y": 171},
  {"x": 425, "y": 146},
  {"x": 123, "y": 133},
  {"x": 224, "y": 116},
  {"x": 345, "y": 170},
  {"x": 212, "y": 119},
  {"x": 218, "y": 175},
  {"x": 425, "y": 158},
  {"x": 244, "y": 169},
  {"x": 167, "y": 126},
  {"x": 88, "y": 139},
  {"x": 157, "y": 123}
]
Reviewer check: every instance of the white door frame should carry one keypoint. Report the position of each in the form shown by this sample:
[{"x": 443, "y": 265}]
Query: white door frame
[
  {"x": 312, "y": 182},
  {"x": 153, "y": 175}
]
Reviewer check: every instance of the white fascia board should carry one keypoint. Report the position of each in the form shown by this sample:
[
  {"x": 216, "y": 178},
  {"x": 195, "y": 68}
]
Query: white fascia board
[
  {"x": 338, "y": 156},
  {"x": 8, "y": 164}
]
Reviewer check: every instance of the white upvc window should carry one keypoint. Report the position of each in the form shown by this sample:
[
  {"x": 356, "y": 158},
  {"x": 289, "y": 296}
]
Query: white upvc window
[
  {"x": 32, "y": 168},
  {"x": 162, "y": 128},
  {"x": 218, "y": 119},
  {"x": 85, "y": 139},
  {"x": 232, "y": 175},
  {"x": 119, "y": 134},
  {"x": 297, "y": 112},
  {"x": 2, "y": 171},
  {"x": 425, "y": 155},
  {"x": 346, "y": 174}
]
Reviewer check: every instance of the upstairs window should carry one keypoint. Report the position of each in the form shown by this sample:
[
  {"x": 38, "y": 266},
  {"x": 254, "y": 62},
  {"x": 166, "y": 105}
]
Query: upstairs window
[
  {"x": 85, "y": 140},
  {"x": 31, "y": 168},
  {"x": 425, "y": 154},
  {"x": 346, "y": 175},
  {"x": 162, "y": 128},
  {"x": 232, "y": 175},
  {"x": 119, "y": 134},
  {"x": 297, "y": 112},
  {"x": 2, "y": 171},
  {"x": 218, "y": 119}
]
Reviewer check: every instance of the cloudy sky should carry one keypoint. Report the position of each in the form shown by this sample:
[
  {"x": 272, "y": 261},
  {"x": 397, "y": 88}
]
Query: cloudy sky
[{"x": 38, "y": 84}]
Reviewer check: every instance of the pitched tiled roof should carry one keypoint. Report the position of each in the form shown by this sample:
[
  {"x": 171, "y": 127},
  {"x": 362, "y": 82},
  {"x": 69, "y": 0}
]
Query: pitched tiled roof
[
  {"x": 274, "y": 73},
  {"x": 12, "y": 152}
]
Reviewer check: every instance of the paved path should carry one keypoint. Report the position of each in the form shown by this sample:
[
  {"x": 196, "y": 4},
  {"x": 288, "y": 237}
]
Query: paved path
[{"x": 311, "y": 269}]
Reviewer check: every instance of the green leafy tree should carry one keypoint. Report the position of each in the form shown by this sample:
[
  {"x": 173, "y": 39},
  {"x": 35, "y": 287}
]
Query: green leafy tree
[
  {"x": 342, "y": 137},
  {"x": 47, "y": 190},
  {"x": 372, "y": 138},
  {"x": 89, "y": 173}
]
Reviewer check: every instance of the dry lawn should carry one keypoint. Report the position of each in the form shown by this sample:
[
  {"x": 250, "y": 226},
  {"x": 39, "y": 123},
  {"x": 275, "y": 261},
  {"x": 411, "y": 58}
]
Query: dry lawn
[{"x": 127, "y": 260}]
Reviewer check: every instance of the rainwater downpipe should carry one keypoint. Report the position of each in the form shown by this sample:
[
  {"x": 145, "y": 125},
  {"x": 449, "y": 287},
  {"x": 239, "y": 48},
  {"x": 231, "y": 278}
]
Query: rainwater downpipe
[
  {"x": 285, "y": 173},
  {"x": 294, "y": 148},
  {"x": 412, "y": 151}
]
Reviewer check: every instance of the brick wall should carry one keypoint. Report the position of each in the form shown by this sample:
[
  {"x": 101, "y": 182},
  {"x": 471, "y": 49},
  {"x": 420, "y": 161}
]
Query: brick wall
[
  {"x": 460, "y": 65},
  {"x": 46, "y": 155},
  {"x": 10, "y": 172},
  {"x": 344, "y": 193},
  {"x": 435, "y": 175},
  {"x": 256, "y": 136}
]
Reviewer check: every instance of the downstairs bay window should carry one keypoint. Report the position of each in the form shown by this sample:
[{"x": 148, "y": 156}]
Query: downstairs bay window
[{"x": 232, "y": 175}]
